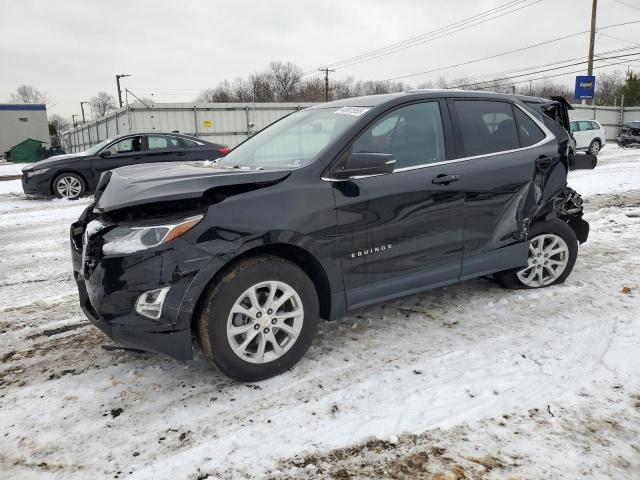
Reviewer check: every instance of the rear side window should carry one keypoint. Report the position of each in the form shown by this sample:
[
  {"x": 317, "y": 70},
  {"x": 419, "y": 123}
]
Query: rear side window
[
  {"x": 486, "y": 126},
  {"x": 413, "y": 134},
  {"x": 584, "y": 125},
  {"x": 528, "y": 131},
  {"x": 162, "y": 142}
]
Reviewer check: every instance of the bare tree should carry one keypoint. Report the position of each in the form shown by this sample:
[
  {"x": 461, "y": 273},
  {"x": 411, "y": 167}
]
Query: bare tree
[
  {"x": 222, "y": 93},
  {"x": 425, "y": 85},
  {"x": 57, "y": 125},
  {"x": 608, "y": 86},
  {"x": 241, "y": 90},
  {"x": 28, "y": 94},
  {"x": 261, "y": 87},
  {"x": 442, "y": 83},
  {"x": 286, "y": 78},
  {"x": 102, "y": 103}
]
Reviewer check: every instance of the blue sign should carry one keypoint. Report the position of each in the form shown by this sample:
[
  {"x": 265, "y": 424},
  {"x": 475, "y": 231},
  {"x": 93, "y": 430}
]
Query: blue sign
[{"x": 585, "y": 87}]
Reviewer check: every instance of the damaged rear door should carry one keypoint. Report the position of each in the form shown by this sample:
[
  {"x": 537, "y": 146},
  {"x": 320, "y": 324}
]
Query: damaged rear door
[{"x": 512, "y": 166}]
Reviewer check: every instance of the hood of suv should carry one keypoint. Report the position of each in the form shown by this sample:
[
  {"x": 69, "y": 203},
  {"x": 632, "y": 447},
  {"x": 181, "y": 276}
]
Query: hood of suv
[{"x": 162, "y": 182}]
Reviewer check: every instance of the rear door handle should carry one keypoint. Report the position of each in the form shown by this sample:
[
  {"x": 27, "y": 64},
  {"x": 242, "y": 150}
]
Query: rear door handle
[{"x": 444, "y": 179}]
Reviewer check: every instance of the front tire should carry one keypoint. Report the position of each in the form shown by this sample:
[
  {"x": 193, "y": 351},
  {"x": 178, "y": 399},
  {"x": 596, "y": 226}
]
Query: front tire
[
  {"x": 553, "y": 250},
  {"x": 594, "y": 147},
  {"x": 259, "y": 319},
  {"x": 69, "y": 185}
]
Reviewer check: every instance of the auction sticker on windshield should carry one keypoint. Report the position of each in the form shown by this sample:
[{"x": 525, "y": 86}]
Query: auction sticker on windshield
[{"x": 356, "y": 111}]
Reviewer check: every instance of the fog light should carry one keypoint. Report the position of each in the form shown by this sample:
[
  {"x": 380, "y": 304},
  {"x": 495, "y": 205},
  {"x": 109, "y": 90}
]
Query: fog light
[{"x": 149, "y": 304}]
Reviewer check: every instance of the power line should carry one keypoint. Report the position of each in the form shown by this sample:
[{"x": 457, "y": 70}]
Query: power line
[
  {"x": 618, "y": 38},
  {"x": 552, "y": 76},
  {"x": 551, "y": 69},
  {"x": 557, "y": 62},
  {"x": 434, "y": 34},
  {"x": 468, "y": 62},
  {"x": 627, "y": 5}
]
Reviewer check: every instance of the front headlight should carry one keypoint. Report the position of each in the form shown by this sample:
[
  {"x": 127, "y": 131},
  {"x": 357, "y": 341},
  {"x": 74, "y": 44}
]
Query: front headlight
[
  {"x": 40, "y": 171},
  {"x": 122, "y": 240}
]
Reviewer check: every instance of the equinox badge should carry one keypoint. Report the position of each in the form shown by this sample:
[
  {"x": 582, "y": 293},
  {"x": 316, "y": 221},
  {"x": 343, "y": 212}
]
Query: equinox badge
[{"x": 381, "y": 248}]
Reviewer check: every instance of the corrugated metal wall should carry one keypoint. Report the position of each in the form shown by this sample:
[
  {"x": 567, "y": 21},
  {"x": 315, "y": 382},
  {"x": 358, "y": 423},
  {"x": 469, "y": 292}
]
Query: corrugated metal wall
[
  {"x": 231, "y": 123},
  {"x": 225, "y": 123}
]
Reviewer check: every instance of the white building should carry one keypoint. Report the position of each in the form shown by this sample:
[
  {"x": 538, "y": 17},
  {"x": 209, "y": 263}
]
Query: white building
[{"x": 19, "y": 121}]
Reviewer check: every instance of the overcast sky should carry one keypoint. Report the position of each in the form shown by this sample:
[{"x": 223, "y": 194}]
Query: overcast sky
[{"x": 72, "y": 49}]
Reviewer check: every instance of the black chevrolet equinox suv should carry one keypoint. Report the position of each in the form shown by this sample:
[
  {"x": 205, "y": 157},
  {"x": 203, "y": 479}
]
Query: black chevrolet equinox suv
[{"x": 329, "y": 209}]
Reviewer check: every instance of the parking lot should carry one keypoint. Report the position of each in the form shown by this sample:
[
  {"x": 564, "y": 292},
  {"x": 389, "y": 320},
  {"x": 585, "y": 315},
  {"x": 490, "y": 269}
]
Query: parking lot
[{"x": 453, "y": 380}]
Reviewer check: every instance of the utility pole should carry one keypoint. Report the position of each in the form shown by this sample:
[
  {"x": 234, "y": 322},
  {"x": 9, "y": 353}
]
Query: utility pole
[
  {"x": 75, "y": 126},
  {"x": 85, "y": 121},
  {"x": 326, "y": 82},
  {"x": 592, "y": 38},
  {"x": 118, "y": 77}
]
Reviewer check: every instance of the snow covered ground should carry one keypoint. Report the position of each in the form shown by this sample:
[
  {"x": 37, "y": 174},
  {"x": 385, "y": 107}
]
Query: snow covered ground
[
  {"x": 468, "y": 381},
  {"x": 10, "y": 168}
]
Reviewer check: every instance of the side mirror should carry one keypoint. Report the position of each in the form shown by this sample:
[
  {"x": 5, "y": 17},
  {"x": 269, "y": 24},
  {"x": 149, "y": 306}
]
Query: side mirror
[
  {"x": 105, "y": 153},
  {"x": 583, "y": 162},
  {"x": 366, "y": 163}
]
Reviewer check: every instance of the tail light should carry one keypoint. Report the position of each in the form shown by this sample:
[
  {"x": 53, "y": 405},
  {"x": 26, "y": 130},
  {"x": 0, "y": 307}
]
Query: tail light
[{"x": 224, "y": 150}]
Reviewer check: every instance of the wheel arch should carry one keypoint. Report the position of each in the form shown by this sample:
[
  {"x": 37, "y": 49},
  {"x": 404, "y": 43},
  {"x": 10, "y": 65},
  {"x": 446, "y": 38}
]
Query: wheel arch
[
  {"x": 62, "y": 172},
  {"x": 294, "y": 253}
]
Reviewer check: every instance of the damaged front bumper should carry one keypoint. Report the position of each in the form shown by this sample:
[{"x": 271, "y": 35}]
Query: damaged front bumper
[{"x": 111, "y": 287}]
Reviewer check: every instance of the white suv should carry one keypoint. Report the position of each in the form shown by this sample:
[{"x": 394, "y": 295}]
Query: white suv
[{"x": 589, "y": 135}]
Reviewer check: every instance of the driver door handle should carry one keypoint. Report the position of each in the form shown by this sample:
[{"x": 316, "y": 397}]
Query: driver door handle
[{"x": 444, "y": 179}]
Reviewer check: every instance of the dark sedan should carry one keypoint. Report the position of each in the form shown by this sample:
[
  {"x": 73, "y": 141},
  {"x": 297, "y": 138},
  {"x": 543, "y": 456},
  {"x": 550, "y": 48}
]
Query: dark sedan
[{"x": 77, "y": 174}]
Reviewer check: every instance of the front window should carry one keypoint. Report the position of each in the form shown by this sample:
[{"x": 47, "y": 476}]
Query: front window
[
  {"x": 127, "y": 145},
  {"x": 412, "y": 134},
  {"x": 294, "y": 141},
  {"x": 98, "y": 147}
]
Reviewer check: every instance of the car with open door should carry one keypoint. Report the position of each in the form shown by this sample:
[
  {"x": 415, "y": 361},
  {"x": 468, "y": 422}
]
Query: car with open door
[
  {"x": 332, "y": 208},
  {"x": 74, "y": 175}
]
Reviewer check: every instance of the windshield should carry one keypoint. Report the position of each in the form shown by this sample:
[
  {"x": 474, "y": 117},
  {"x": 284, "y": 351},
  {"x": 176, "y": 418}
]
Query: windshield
[
  {"x": 295, "y": 140},
  {"x": 96, "y": 148}
]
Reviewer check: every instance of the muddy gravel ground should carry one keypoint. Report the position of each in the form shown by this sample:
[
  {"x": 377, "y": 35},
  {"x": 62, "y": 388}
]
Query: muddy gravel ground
[{"x": 468, "y": 381}]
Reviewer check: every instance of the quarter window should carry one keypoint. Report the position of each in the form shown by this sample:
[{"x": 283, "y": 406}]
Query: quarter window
[
  {"x": 185, "y": 143},
  {"x": 412, "y": 134},
  {"x": 486, "y": 126},
  {"x": 528, "y": 131},
  {"x": 594, "y": 126}
]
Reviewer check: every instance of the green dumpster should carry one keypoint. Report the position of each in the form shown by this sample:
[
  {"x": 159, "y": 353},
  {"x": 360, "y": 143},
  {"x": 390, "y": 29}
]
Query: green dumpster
[{"x": 27, "y": 151}]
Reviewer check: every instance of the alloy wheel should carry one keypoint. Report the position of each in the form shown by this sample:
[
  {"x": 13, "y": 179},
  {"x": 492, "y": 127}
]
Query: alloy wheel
[
  {"x": 548, "y": 258},
  {"x": 68, "y": 187},
  {"x": 595, "y": 148},
  {"x": 265, "y": 321}
]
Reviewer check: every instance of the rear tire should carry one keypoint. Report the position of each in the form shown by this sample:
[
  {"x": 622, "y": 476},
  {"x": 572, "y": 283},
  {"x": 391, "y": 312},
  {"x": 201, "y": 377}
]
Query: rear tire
[
  {"x": 594, "y": 147},
  {"x": 69, "y": 185},
  {"x": 259, "y": 319},
  {"x": 553, "y": 251}
]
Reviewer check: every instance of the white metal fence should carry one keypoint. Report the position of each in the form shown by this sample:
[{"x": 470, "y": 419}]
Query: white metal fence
[
  {"x": 611, "y": 118},
  {"x": 231, "y": 123},
  {"x": 225, "y": 123}
]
